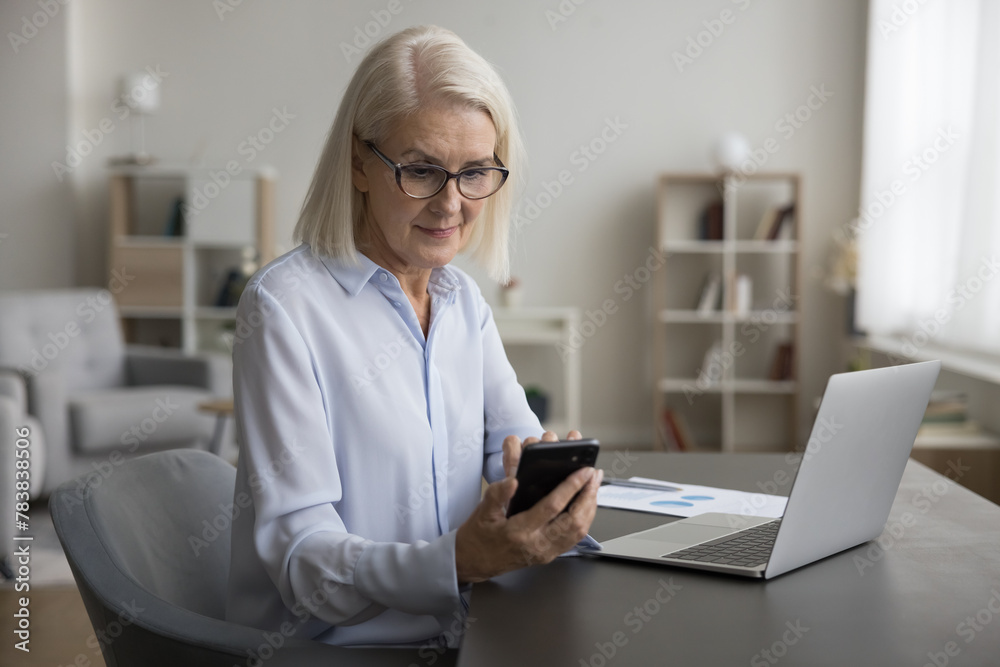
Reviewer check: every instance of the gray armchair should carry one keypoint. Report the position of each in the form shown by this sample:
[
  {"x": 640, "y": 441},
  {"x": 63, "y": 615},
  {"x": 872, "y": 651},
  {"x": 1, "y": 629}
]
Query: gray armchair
[{"x": 88, "y": 401}]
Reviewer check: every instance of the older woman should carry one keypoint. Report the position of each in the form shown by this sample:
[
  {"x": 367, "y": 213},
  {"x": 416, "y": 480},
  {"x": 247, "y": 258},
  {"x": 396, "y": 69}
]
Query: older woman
[{"x": 372, "y": 390}]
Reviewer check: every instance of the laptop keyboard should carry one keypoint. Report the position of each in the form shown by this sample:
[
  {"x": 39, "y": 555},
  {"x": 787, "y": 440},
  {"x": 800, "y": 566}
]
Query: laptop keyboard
[{"x": 747, "y": 548}]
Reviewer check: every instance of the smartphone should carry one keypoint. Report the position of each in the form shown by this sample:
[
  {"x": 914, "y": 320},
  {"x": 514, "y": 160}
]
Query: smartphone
[{"x": 544, "y": 465}]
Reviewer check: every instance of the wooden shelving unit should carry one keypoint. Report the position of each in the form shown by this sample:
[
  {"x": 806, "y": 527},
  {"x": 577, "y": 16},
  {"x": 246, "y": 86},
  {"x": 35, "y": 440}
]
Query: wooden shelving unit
[
  {"x": 170, "y": 295},
  {"x": 548, "y": 331},
  {"x": 730, "y": 402}
]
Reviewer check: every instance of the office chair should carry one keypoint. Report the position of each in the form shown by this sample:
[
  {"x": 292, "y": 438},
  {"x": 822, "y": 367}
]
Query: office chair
[{"x": 152, "y": 597}]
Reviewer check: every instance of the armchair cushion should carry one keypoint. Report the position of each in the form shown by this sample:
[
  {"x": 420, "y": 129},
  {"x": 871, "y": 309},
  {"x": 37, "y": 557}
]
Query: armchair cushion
[
  {"x": 75, "y": 331},
  {"x": 12, "y": 386},
  {"x": 138, "y": 418},
  {"x": 146, "y": 365}
]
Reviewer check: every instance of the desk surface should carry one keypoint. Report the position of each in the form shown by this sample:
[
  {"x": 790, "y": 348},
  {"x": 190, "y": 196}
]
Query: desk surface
[{"x": 927, "y": 591}]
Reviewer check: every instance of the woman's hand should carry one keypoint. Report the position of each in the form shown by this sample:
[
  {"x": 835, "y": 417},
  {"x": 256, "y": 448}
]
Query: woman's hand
[
  {"x": 489, "y": 544},
  {"x": 512, "y": 447}
]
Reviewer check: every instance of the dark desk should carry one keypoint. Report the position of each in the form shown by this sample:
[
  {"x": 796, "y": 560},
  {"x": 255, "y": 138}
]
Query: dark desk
[{"x": 928, "y": 594}]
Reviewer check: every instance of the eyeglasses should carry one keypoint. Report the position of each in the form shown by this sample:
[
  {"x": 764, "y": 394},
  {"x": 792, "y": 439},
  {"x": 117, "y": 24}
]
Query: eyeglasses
[{"x": 421, "y": 181}]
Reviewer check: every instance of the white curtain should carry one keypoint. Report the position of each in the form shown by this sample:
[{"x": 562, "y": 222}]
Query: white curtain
[{"x": 929, "y": 223}]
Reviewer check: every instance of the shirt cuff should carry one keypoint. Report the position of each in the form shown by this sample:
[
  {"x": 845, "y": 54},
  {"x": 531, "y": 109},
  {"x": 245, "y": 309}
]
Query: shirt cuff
[
  {"x": 416, "y": 578},
  {"x": 587, "y": 544},
  {"x": 493, "y": 470}
]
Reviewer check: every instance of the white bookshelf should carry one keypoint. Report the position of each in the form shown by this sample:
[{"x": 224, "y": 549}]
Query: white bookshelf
[
  {"x": 539, "y": 344},
  {"x": 175, "y": 279},
  {"x": 962, "y": 364},
  {"x": 742, "y": 408}
]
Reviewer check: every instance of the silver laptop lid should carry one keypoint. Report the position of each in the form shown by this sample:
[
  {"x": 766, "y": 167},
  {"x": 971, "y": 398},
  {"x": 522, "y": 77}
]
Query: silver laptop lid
[{"x": 853, "y": 462}]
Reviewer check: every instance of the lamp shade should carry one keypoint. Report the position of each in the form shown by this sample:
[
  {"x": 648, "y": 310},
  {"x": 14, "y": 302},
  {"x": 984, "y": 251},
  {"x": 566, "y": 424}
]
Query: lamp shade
[
  {"x": 140, "y": 91},
  {"x": 729, "y": 152}
]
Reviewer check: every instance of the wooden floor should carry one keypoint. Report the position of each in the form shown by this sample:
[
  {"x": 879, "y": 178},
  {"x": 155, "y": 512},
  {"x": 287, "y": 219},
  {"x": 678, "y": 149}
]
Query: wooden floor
[{"x": 61, "y": 634}]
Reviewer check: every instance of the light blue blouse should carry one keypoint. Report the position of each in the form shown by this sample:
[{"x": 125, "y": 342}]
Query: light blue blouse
[{"x": 362, "y": 447}]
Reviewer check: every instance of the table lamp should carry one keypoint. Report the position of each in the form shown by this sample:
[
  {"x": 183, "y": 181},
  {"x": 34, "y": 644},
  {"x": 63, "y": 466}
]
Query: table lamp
[{"x": 140, "y": 92}]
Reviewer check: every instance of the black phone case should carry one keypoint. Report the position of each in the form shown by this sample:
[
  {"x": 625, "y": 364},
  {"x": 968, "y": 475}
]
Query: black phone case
[{"x": 544, "y": 465}]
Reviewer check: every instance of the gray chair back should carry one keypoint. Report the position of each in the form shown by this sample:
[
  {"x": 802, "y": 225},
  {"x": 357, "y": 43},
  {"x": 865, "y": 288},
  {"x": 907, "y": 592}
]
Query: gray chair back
[
  {"x": 153, "y": 576},
  {"x": 158, "y": 519},
  {"x": 75, "y": 332}
]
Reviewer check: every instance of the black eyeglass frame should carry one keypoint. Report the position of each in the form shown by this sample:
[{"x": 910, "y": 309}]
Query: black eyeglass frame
[{"x": 398, "y": 169}]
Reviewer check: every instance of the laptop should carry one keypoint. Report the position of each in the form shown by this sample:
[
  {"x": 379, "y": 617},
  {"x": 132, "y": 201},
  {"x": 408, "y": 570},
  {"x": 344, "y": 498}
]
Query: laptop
[{"x": 841, "y": 495}]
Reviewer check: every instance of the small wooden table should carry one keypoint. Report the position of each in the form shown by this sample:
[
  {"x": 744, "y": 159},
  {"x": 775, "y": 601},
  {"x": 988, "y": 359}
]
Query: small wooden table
[{"x": 222, "y": 408}]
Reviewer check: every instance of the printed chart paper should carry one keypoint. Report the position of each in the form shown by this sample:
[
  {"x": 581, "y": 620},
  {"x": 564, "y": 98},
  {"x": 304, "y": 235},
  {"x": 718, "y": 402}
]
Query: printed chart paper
[{"x": 690, "y": 500}]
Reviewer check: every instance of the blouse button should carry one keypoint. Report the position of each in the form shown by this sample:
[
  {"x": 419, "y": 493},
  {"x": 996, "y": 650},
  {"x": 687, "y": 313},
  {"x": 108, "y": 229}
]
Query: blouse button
[{"x": 383, "y": 277}]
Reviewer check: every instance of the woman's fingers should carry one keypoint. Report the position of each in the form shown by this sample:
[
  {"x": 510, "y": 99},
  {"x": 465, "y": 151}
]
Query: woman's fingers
[
  {"x": 511, "y": 454},
  {"x": 489, "y": 544},
  {"x": 574, "y": 435},
  {"x": 498, "y": 495},
  {"x": 550, "y": 531},
  {"x": 549, "y": 507}
]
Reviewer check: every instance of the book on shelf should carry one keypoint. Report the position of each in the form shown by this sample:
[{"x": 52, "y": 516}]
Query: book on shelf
[
  {"x": 175, "y": 218},
  {"x": 674, "y": 431},
  {"x": 781, "y": 221},
  {"x": 710, "y": 226},
  {"x": 710, "y": 299},
  {"x": 231, "y": 289},
  {"x": 947, "y": 407},
  {"x": 771, "y": 215},
  {"x": 740, "y": 293},
  {"x": 782, "y": 368},
  {"x": 713, "y": 359},
  {"x": 668, "y": 434}
]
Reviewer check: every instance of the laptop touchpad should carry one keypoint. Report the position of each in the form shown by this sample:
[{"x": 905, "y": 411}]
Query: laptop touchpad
[{"x": 683, "y": 533}]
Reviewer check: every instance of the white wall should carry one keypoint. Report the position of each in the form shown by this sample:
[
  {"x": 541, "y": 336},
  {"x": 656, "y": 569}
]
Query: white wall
[
  {"x": 608, "y": 60},
  {"x": 36, "y": 223}
]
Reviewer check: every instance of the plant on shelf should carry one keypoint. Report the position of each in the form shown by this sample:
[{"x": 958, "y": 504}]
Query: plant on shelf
[
  {"x": 841, "y": 276},
  {"x": 538, "y": 401},
  {"x": 510, "y": 293}
]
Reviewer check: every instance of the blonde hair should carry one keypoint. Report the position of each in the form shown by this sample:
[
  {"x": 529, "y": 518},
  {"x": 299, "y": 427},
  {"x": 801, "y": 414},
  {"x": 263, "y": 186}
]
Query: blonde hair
[{"x": 406, "y": 71}]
